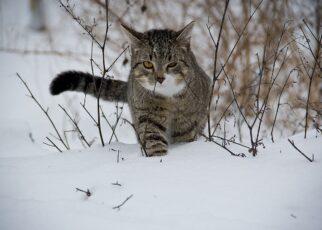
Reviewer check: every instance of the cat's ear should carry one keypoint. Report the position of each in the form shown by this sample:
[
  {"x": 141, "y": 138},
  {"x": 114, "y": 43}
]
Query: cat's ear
[
  {"x": 184, "y": 35},
  {"x": 134, "y": 36}
]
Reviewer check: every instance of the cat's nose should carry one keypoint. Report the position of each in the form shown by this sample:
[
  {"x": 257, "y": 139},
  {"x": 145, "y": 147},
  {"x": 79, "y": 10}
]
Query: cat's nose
[{"x": 160, "y": 79}]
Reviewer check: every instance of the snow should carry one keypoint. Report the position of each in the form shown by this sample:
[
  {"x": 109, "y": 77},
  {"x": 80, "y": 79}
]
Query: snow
[{"x": 196, "y": 186}]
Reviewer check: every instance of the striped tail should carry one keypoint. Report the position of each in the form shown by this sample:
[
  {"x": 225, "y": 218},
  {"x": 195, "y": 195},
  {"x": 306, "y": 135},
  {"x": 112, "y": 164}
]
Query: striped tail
[{"x": 111, "y": 90}]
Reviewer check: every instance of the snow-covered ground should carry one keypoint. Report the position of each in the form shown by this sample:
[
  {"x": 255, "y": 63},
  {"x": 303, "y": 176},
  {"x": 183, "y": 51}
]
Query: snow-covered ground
[{"x": 196, "y": 186}]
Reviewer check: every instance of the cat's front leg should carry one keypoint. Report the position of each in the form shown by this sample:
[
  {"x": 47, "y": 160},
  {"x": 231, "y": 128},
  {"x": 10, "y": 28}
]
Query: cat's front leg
[{"x": 153, "y": 135}]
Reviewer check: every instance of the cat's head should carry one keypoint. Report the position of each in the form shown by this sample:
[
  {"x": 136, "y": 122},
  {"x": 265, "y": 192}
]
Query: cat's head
[{"x": 159, "y": 58}]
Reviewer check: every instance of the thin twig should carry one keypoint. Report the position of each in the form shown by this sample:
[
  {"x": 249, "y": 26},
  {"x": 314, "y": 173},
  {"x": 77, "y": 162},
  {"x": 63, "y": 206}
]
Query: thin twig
[
  {"x": 222, "y": 116},
  {"x": 310, "y": 76},
  {"x": 52, "y": 144},
  {"x": 87, "y": 192},
  {"x": 68, "y": 9},
  {"x": 214, "y": 78},
  {"x": 279, "y": 104},
  {"x": 225, "y": 148},
  {"x": 76, "y": 126},
  {"x": 138, "y": 137},
  {"x": 120, "y": 205},
  {"x": 116, "y": 184},
  {"x": 45, "y": 111},
  {"x": 231, "y": 141},
  {"x": 303, "y": 154},
  {"x": 88, "y": 113}
]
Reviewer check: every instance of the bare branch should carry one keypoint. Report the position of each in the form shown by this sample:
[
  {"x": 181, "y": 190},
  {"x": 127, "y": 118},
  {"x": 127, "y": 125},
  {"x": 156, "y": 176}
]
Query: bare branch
[
  {"x": 303, "y": 154},
  {"x": 76, "y": 126},
  {"x": 87, "y": 192},
  {"x": 52, "y": 144},
  {"x": 45, "y": 111},
  {"x": 214, "y": 78},
  {"x": 120, "y": 205}
]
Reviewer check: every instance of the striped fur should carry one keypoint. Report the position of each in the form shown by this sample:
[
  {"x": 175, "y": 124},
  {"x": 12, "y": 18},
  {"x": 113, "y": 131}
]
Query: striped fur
[
  {"x": 160, "y": 119},
  {"x": 111, "y": 90}
]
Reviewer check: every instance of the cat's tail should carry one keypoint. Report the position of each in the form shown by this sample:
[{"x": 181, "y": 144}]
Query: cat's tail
[{"x": 111, "y": 90}]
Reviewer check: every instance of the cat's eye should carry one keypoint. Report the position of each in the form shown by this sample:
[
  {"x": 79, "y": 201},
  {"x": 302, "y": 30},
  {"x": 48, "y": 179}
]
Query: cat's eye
[
  {"x": 172, "y": 64},
  {"x": 147, "y": 64}
]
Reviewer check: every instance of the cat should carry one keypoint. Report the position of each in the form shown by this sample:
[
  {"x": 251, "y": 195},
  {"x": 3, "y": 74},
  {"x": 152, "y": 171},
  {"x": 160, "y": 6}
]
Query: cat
[{"x": 167, "y": 91}]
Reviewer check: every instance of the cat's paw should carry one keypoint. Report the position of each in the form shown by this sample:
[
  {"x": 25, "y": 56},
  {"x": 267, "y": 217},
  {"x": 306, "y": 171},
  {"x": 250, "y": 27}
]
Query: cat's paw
[{"x": 157, "y": 153}]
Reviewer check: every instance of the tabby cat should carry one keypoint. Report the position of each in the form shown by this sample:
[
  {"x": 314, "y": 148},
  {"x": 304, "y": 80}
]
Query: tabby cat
[{"x": 167, "y": 90}]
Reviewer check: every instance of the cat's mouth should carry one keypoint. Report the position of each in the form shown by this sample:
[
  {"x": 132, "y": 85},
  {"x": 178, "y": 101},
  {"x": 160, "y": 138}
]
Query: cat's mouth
[{"x": 166, "y": 86}]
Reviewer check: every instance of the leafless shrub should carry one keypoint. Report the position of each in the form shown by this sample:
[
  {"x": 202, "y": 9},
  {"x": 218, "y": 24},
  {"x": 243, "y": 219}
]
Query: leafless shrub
[
  {"x": 104, "y": 69},
  {"x": 46, "y": 112}
]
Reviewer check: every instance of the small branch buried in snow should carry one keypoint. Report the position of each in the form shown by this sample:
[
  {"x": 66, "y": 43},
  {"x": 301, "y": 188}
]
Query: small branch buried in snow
[
  {"x": 117, "y": 183},
  {"x": 303, "y": 154},
  {"x": 87, "y": 192},
  {"x": 120, "y": 205}
]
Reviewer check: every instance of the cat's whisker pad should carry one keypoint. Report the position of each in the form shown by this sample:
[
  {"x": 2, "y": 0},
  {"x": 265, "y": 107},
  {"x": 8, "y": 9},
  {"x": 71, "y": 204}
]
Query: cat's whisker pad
[{"x": 169, "y": 87}]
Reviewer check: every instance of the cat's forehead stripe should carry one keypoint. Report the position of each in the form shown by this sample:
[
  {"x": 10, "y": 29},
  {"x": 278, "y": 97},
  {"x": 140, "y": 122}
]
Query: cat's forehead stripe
[{"x": 161, "y": 42}]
